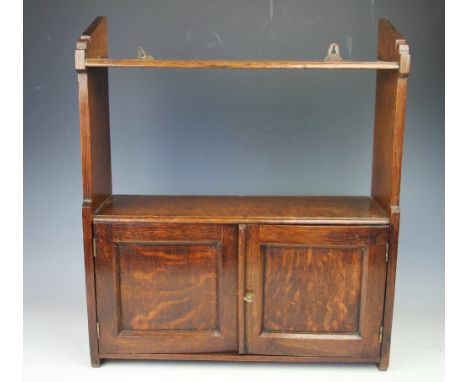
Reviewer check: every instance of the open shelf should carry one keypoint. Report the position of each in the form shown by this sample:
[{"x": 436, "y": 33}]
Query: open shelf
[
  {"x": 238, "y": 64},
  {"x": 243, "y": 209}
]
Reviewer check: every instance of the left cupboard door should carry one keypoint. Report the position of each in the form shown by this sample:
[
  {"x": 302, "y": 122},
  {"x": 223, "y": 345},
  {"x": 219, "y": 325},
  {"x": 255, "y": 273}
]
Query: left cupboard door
[{"x": 166, "y": 288}]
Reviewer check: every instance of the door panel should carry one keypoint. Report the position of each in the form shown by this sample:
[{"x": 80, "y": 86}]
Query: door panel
[
  {"x": 292, "y": 275},
  {"x": 317, "y": 291},
  {"x": 178, "y": 279},
  {"x": 166, "y": 288}
]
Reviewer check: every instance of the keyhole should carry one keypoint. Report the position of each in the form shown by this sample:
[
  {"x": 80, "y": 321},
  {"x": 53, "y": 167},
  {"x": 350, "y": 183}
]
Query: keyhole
[{"x": 333, "y": 49}]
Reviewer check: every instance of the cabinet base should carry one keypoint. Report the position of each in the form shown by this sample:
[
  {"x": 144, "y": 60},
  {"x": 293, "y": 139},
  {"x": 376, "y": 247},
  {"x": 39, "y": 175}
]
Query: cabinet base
[{"x": 234, "y": 357}]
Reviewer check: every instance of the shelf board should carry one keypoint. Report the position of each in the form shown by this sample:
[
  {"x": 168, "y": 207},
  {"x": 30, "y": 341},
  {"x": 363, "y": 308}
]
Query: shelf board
[
  {"x": 243, "y": 209},
  {"x": 238, "y": 64}
]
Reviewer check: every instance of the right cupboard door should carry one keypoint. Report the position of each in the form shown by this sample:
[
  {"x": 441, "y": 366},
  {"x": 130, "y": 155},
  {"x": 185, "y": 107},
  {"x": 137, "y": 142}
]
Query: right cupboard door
[{"x": 315, "y": 290}]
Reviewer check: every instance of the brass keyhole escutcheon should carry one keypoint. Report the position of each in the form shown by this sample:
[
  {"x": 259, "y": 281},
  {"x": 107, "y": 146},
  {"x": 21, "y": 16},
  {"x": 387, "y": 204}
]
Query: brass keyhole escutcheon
[{"x": 248, "y": 297}]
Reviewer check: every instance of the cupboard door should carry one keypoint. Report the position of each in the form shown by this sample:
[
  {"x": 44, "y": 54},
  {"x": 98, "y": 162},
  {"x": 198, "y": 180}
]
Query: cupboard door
[
  {"x": 166, "y": 288},
  {"x": 315, "y": 290}
]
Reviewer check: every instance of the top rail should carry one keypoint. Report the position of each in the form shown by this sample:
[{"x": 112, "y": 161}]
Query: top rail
[{"x": 239, "y": 64}]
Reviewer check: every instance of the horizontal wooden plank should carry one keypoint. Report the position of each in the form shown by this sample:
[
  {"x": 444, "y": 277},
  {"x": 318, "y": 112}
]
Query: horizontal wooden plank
[
  {"x": 323, "y": 235},
  {"x": 238, "y": 64},
  {"x": 242, "y": 209},
  {"x": 147, "y": 231},
  {"x": 234, "y": 357}
]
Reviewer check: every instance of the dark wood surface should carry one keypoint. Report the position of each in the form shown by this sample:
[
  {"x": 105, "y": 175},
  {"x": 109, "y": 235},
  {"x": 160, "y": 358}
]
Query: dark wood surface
[
  {"x": 390, "y": 108},
  {"x": 168, "y": 285},
  {"x": 93, "y": 100},
  {"x": 87, "y": 221},
  {"x": 161, "y": 285},
  {"x": 390, "y": 288},
  {"x": 317, "y": 291},
  {"x": 311, "y": 289},
  {"x": 166, "y": 288},
  {"x": 243, "y": 209},
  {"x": 95, "y": 136},
  {"x": 92, "y": 43},
  {"x": 241, "y": 254},
  {"x": 239, "y": 64},
  {"x": 94, "y": 116},
  {"x": 234, "y": 357}
]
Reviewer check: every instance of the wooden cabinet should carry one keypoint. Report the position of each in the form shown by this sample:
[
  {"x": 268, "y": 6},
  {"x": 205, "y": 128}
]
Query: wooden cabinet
[
  {"x": 306, "y": 290},
  {"x": 253, "y": 278}
]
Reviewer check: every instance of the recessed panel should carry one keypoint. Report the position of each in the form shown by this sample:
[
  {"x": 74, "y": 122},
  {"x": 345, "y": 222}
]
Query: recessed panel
[
  {"x": 168, "y": 286},
  {"x": 311, "y": 289}
]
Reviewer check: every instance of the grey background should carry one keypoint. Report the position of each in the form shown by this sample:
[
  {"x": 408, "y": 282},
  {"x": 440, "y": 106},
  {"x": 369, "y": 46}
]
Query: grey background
[{"x": 228, "y": 132}]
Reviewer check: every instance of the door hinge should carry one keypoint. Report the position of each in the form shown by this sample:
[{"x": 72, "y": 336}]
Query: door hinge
[
  {"x": 380, "y": 334},
  {"x": 94, "y": 247},
  {"x": 386, "y": 252},
  {"x": 98, "y": 330}
]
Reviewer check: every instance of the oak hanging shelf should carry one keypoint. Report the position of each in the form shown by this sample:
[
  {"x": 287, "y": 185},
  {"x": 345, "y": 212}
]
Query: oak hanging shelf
[{"x": 241, "y": 278}]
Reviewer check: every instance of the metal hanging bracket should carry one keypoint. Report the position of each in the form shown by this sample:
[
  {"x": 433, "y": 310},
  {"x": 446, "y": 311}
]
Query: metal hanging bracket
[
  {"x": 143, "y": 54},
  {"x": 333, "y": 53}
]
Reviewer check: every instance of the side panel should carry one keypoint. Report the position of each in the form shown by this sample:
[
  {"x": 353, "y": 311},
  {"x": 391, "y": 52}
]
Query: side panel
[
  {"x": 390, "y": 109},
  {"x": 93, "y": 96}
]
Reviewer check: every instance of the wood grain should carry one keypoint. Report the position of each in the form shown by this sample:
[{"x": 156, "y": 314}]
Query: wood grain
[
  {"x": 322, "y": 332},
  {"x": 95, "y": 136},
  {"x": 95, "y": 155},
  {"x": 92, "y": 43},
  {"x": 311, "y": 289},
  {"x": 166, "y": 288},
  {"x": 243, "y": 209},
  {"x": 355, "y": 236},
  {"x": 390, "y": 288},
  {"x": 171, "y": 272},
  {"x": 242, "y": 248},
  {"x": 93, "y": 92},
  {"x": 234, "y": 357},
  {"x": 390, "y": 107},
  {"x": 239, "y": 64},
  {"x": 90, "y": 284}
]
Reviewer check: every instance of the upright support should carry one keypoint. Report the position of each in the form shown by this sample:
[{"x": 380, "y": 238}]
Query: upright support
[
  {"x": 242, "y": 247},
  {"x": 95, "y": 153},
  {"x": 387, "y": 154}
]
